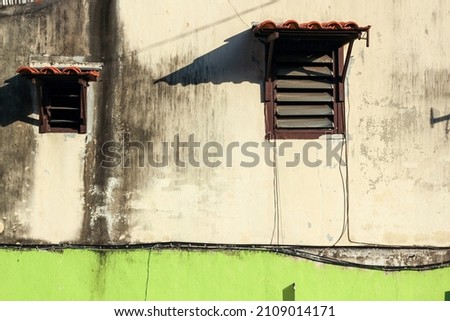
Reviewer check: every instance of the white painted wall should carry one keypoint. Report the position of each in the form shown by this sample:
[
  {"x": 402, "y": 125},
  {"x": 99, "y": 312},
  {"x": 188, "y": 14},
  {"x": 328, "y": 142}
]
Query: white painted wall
[
  {"x": 398, "y": 166},
  {"x": 58, "y": 188}
]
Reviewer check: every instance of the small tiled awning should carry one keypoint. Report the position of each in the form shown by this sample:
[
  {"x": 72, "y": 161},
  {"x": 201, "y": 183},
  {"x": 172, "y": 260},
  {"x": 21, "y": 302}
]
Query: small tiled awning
[
  {"x": 51, "y": 71},
  {"x": 312, "y": 25},
  {"x": 340, "y": 33}
]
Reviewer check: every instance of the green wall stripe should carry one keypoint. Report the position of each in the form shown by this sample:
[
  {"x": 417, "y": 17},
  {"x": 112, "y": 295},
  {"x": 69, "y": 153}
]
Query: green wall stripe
[{"x": 201, "y": 275}]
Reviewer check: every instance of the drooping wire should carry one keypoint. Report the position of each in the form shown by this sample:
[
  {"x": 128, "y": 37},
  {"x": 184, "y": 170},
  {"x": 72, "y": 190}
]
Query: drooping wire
[
  {"x": 277, "y": 224},
  {"x": 347, "y": 183},
  {"x": 294, "y": 251},
  {"x": 237, "y": 13}
]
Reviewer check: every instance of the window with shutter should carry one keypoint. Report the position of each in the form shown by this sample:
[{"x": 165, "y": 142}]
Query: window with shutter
[
  {"x": 305, "y": 72},
  {"x": 16, "y": 2},
  {"x": 62, "y": 97}
]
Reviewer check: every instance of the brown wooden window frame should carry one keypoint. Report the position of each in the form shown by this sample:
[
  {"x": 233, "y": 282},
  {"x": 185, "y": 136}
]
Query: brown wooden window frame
[
  {"x": 338, "y": 103},
  {"x": 62, "y": 96},
  {"x": 72, "y": 103},
  {"x": 305, "y": 40}
]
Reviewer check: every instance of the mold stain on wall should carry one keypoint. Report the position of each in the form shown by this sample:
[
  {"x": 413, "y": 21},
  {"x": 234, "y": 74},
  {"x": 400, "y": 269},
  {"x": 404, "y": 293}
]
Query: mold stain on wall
[
  {"x": 130, "y": 103},
  {"x": 42, "y": 29}
]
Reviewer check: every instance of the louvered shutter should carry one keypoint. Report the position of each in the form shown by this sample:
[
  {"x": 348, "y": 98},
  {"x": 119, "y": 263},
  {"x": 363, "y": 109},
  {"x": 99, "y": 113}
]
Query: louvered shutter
[{"x": 304, "y": 90}]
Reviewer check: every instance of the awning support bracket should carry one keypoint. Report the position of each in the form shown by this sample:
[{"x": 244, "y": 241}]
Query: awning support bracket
[
  {"x": 347, "y": 60},
  {"x": 366, "y": 38},
  {"x": 271, "y": 40}
]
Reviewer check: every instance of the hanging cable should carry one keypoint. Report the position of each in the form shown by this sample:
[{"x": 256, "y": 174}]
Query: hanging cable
[{"x": 294, "y": 251}]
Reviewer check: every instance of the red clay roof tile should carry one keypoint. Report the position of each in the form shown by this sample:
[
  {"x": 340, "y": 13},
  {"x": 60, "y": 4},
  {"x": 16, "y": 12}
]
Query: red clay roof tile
[
  {"x": 91, "y": 75},
  {"x": 312, "y": 25}
]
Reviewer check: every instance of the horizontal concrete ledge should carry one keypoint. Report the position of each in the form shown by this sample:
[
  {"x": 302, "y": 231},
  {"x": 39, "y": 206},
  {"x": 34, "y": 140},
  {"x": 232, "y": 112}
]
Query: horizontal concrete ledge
[
  {"x": 81, "y": 62},
  {"x": 366, "y": 257}
]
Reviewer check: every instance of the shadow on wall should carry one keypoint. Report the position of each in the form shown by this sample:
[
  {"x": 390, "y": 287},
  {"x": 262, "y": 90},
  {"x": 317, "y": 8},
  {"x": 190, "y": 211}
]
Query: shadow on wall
[
  {"x": 435, "y": 120},
  {"x": 447, "y": 296},
  {"x": 16, "y": 102},
  {"x": 289, "y": 293},
  {"x": 240, "y": 59}
]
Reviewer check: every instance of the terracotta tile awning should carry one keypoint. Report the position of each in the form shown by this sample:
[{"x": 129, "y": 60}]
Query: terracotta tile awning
[
  {"x": 312, "y": 25},
  {"x": 337, "y": 33},
  {"x": 88, "y": 74}
]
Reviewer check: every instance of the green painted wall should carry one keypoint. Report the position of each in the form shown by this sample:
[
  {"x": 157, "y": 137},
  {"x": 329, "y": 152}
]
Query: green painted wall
[{"x": 198, "y": 275}]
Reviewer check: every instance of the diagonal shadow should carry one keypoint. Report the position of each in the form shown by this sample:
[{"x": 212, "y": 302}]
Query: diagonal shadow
[
  {"x": 240, "y": 59},
  {"x": 213, "y": 24},
  {"x": 16, "y": 102}
]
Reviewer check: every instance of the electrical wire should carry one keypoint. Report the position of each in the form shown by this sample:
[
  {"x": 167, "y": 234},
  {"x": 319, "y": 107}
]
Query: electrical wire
[
  {"x": 237, "y": 13},
  {"x": 277, "y": 225},
  {"x": 346, "y": 182},
  {"x": 344, "y": 192},
  {"x": 289, "y": 250}
]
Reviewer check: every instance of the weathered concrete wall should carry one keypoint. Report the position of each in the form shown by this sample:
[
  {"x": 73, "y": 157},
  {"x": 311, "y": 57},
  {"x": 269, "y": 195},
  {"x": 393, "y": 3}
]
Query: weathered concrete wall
[
  {"x": 195, "y": 68},
  {"x": 42, "y": 190}
]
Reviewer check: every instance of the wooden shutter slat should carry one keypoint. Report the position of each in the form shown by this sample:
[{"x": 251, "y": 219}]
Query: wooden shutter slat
[
  {"x": 304, "y": 58},
  {"x": 292, "y": 123},
  {"x": 304, "y": 71},
  {"x": 304, "y": 110},
  {"x": 304, "y": 97},
  {"x": 303, "y": 84},
  {"x": 63, "y": 121},
  {"x": 63, "y": 108}
]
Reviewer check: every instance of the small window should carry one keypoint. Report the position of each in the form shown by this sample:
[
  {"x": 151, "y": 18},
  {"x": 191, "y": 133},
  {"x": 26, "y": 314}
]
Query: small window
[
  {"x": 305, "y": 72},
  {"x": 62, "y": 97},
  {"x": 304, "y": 92},
  {"x": 15, "y": 2}
]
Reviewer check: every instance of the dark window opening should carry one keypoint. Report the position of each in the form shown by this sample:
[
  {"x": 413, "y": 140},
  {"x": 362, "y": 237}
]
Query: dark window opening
[
  {"x": 15, "y": 2},
  {"x": 63, "y": 106},
  {"x": 62, "y": 97}
]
